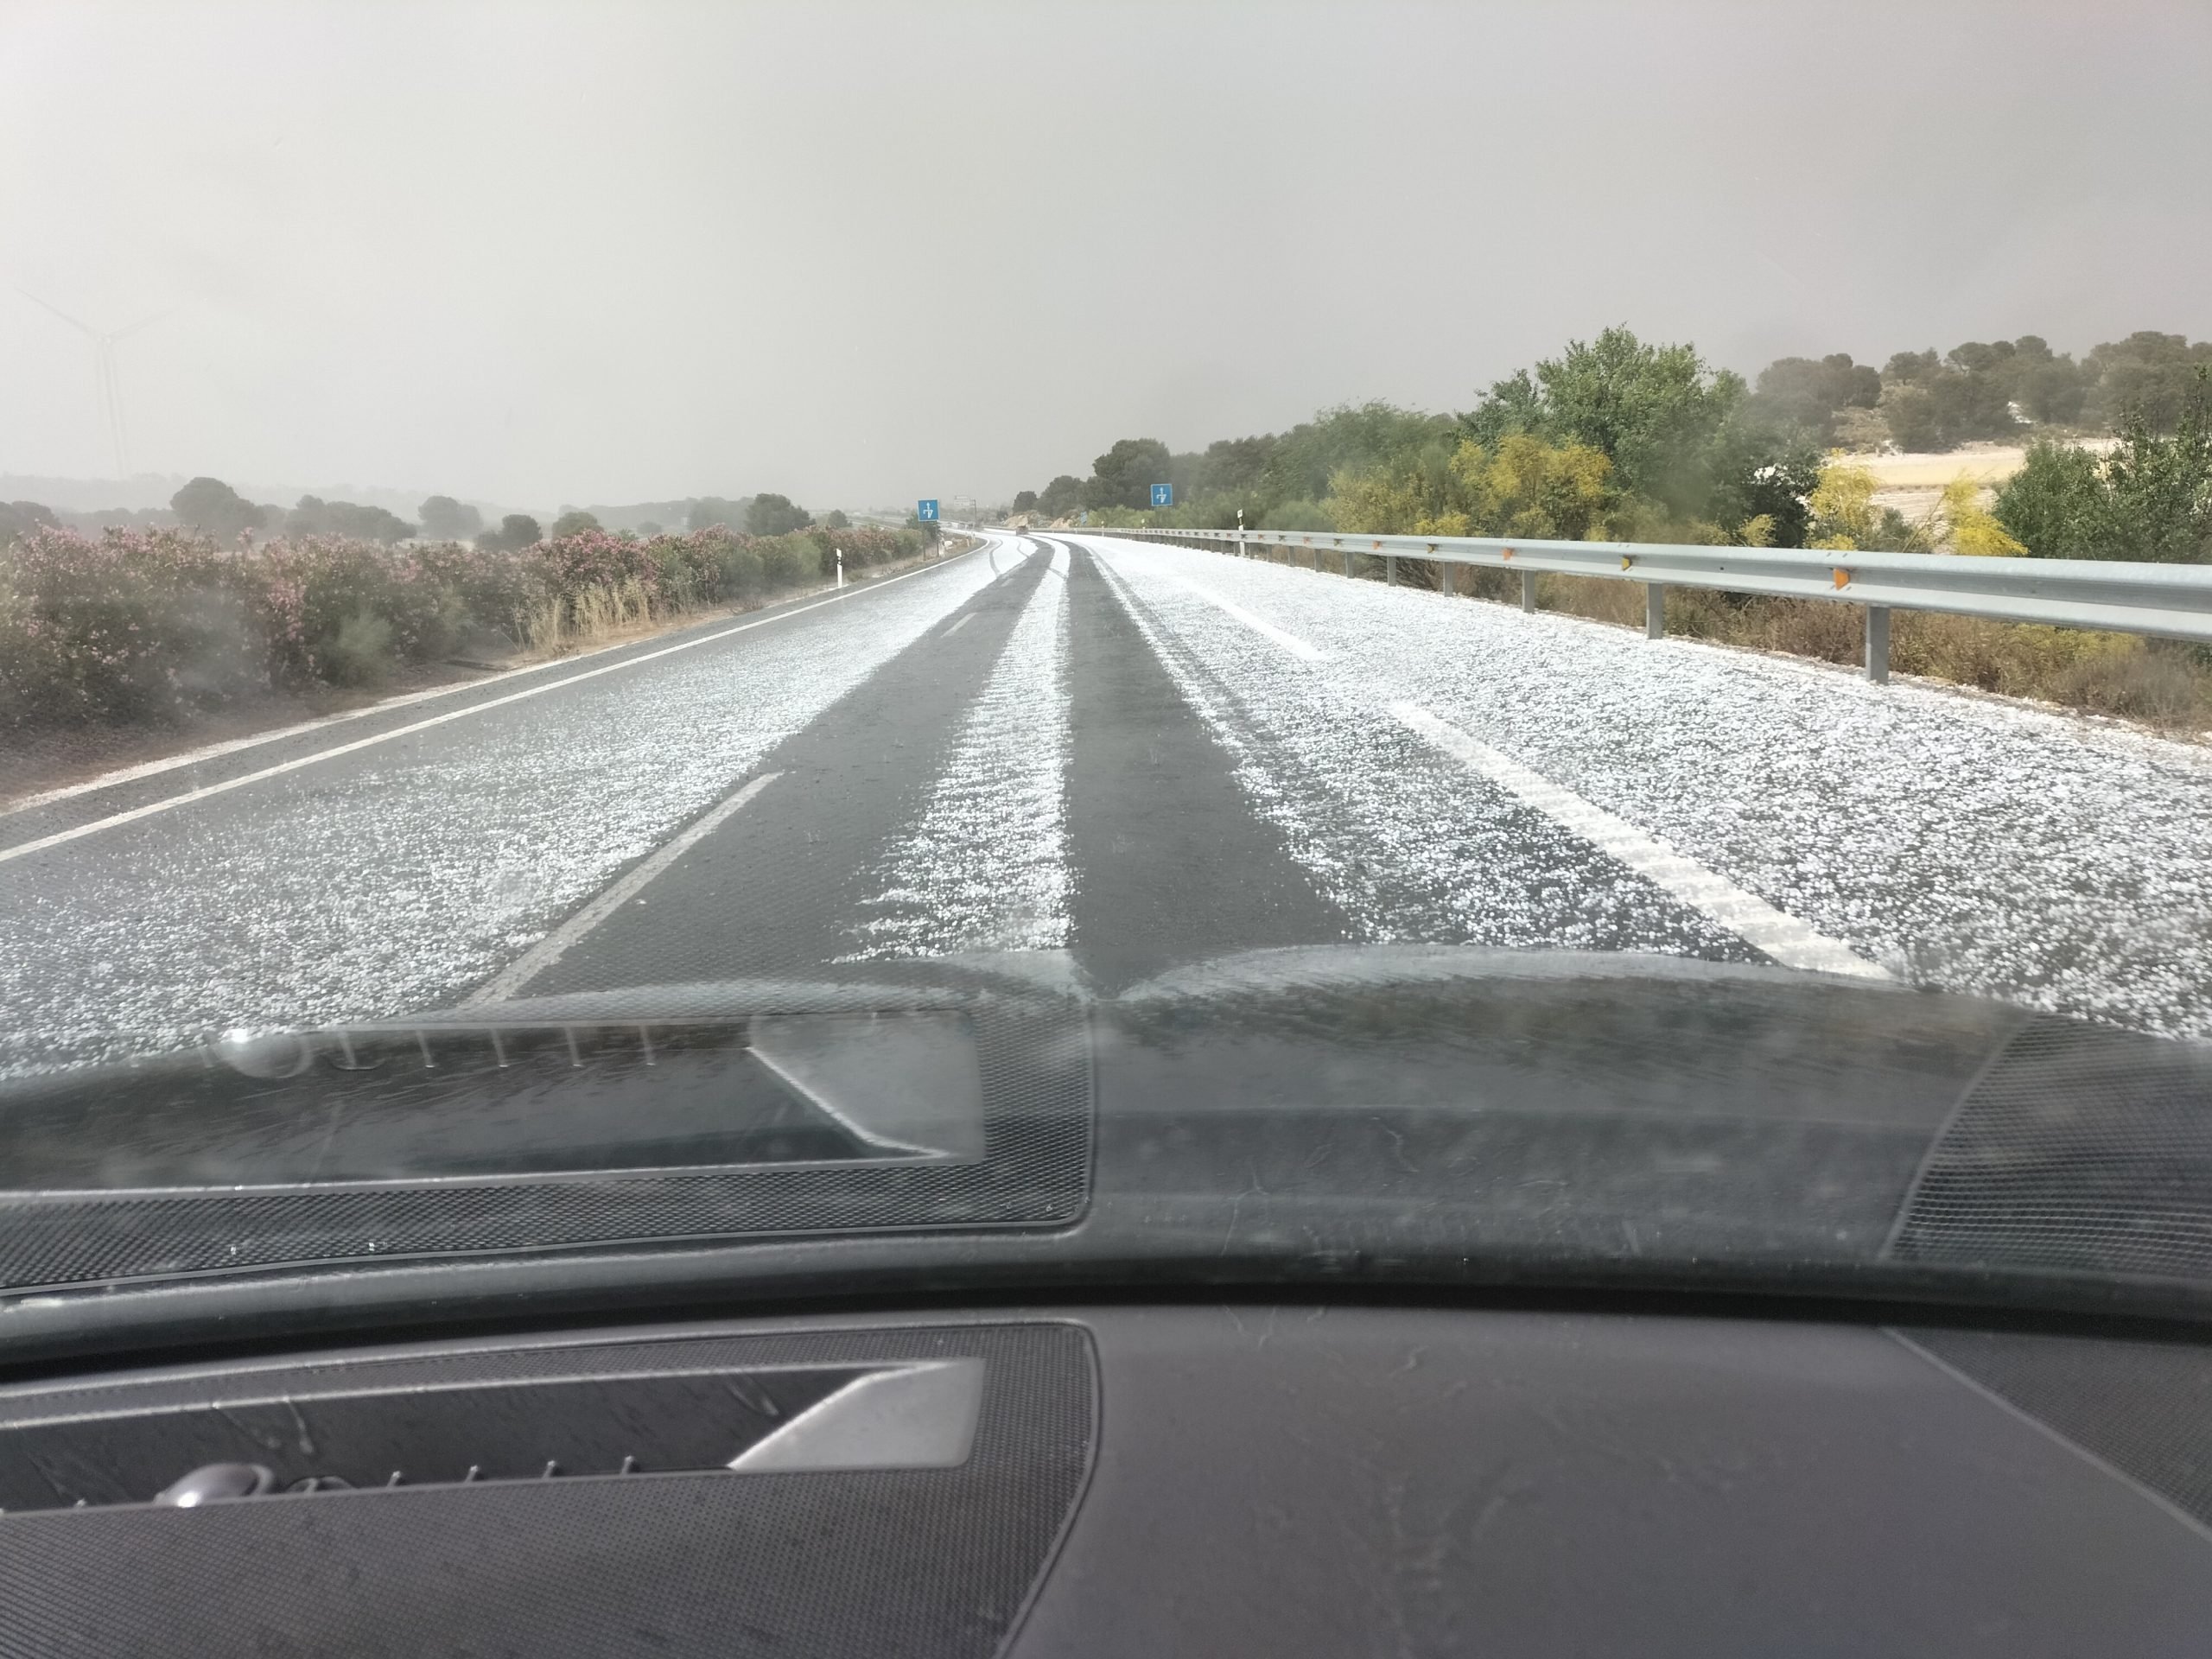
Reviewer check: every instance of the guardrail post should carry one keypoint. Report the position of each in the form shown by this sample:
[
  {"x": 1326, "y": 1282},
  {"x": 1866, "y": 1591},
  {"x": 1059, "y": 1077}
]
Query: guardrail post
[
  {"x": 1347, "y": 561},
  {"x": 1390, "y": 568},
  {"x": 1877, "y": 644},
  {"x": 1528, "y": 591},
  {"x": 1655, "y": 610},
  {"x": 1317, "y": 561}
]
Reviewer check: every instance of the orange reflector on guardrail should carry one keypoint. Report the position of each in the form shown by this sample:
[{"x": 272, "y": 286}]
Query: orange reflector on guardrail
[{"x": 1842, "y": 577}]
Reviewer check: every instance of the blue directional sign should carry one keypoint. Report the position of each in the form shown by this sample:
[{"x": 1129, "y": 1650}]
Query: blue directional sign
[
  {"x": 1163, "y": 495},
  {"x": 926, "y": 512}
]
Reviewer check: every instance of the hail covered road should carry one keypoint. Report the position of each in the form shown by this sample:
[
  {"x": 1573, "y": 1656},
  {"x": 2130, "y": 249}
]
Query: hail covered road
[{"x": 1132, "y": 755}]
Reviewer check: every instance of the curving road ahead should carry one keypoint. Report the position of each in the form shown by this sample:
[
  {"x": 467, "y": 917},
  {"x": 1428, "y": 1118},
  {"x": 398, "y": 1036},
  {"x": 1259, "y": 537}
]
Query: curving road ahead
[{"x": 1133, "y": 754}]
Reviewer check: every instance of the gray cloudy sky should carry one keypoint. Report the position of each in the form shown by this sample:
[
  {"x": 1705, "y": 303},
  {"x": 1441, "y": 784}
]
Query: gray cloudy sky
[{"x": 534, "y": 253}]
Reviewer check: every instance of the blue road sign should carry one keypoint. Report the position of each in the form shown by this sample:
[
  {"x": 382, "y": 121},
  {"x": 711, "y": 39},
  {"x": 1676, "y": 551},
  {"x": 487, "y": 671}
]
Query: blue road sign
[
  {"x": 1163, "y": 495},
  {"x": 926, "y": 512}
]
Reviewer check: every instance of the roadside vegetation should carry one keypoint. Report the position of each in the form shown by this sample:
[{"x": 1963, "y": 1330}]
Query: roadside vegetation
[
  {"x": 1619, "y": 439},
  {"x": 138, "y": 625}
]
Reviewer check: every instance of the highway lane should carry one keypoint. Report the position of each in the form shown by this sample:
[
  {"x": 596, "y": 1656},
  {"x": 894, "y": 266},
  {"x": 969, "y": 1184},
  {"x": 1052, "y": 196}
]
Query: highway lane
[
  {"x": 1965, "y": 842},
  {"x": 49, "y": 816},
  {"x": 399, "y": 875},
  {"x": 1132, "y": 757}
]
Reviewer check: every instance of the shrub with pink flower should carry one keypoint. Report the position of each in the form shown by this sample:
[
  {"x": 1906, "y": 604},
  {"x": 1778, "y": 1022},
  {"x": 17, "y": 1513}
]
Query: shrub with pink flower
[{"x": 136, "y": 624}]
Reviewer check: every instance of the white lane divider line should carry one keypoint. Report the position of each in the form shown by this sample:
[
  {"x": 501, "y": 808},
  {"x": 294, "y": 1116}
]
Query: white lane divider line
[
  {"x": 25, "y": 848},
  {"x": 959, "y": 622},
  {"x": 555, "y": 945},
  {"x": 1296, "y": 647},
  {"x": 1783, "y": 937},
  {"x": 1303, "y": 650}
]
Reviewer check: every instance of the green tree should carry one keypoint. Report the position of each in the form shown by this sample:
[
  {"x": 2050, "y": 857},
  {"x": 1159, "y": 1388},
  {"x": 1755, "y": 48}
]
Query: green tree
[
  {"x": 835, "y": 519},
  {"x": 1235, "y": 466},
  {"x": 1677, "y": 432},
  {"x": 448, "y": 520},
  {"x": 1292, "y": 515},
  {"x": 20, "y": 518},
  {"x": 1025, "y": 500},
  {"x": 315, "y": 516},
  {"x": 1521, "y": 485},
  {"x": 214, "y": 508},
  {"x": 1911, "y": 412},
  {"x": 1124, "y": 475},
  {"x": 775, "y": 515},
  {"x": 516, "y": 532},
  {"x": 1650, "y": 410},
  {"x": 1798, "y": 394},
  {"x": 1911, "y": 368},
  {"x": 2050, "y": 386},
  {"x": 575, "y": 522},
  {"x": 1513, "y": 404},
  {"x": 1751, "y": 471},
  {"x": 709, "y": 510},
  {"x": 1973, "y": 393},
  {"x": 1301, "y": 462},
  {"x": 2148, "y": 377},
  {"x": 2150, "y": 498},
  {"x": 1060, "y": 497}
]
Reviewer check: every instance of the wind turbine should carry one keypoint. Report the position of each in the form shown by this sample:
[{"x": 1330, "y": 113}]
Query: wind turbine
[{"x": 103, "y": 370}]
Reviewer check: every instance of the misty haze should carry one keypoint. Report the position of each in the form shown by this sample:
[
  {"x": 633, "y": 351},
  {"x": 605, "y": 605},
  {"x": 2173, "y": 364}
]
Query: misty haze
[{"x": 993, "y": 829}]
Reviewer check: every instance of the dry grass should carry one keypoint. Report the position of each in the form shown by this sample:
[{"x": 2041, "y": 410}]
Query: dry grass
[
  {"x": 2157, "y": 682},
  {"x": 2160, "y": 683},
  {"x": 596, "y": 615},
  {"x": 609, "y": 613}
]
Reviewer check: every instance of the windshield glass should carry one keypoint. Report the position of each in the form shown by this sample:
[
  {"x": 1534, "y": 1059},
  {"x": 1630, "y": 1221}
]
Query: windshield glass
[{"x": 1540, "y": 640}]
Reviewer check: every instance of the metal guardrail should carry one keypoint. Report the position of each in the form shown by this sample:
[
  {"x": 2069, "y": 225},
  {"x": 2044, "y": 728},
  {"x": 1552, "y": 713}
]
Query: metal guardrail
[{"x": 2168, "y": 600}]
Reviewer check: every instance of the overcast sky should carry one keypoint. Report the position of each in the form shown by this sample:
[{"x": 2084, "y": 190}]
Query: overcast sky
[{"x": 534, "y": 254}]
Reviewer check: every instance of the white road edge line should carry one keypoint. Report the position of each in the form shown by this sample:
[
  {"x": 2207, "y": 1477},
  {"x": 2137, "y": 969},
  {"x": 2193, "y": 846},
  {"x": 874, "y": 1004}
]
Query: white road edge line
[
  {"x": 1783, "y": 937},
  {"x": 131, "y": 774},
  {"x": 555, "y": 945},
  {"x": 959, "y": 622},
  {"x": 1296, "y": 647},
  {"x": 186, "y": 799},
  {"x": 231, "y": 746}
]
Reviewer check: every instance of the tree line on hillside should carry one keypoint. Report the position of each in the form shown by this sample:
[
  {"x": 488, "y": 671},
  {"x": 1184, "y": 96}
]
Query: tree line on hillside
[
  {"x": 1619, "y": 439},
  {"x": 215, "y": 509}
]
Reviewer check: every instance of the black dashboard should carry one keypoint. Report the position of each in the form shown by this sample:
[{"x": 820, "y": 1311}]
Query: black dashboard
[{"x": 1315, "y": 1478}]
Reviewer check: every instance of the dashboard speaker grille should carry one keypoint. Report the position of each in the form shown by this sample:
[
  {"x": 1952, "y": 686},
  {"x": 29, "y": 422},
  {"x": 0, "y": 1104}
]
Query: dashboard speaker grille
[
  {"x": 2144, "y": 1408},
  {"x": 2082, "y": 1149},
  {"x": 933, "y": 1562}
]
